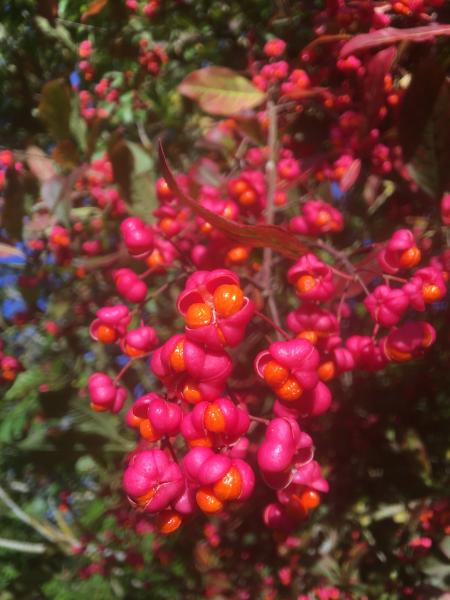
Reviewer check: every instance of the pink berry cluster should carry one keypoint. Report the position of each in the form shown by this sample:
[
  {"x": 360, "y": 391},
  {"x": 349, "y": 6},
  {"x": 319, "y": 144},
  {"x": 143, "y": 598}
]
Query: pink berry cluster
[
  {"x": 297, "y": 369},
  {"x": 193, "y": 446},
  {"x": 198, "y": 437}
]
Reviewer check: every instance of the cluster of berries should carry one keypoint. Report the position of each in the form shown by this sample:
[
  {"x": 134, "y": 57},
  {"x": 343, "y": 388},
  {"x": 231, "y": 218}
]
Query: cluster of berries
[
  {"x": 297, "y": 369},
  {"x": 194, "y": 368},
  {"x": 194, "y": 446},
  {"x": 152, "y": 60}
]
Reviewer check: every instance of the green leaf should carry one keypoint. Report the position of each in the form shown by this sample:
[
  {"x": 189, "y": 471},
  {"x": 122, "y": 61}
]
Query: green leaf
[
  {"x": 133, "y": 169},
  {"x": 143, "y": 197},
  {"x": 57, "y": 32},
  {"x": 16, "y": 417},
  {"x": 142, "y": 160},
  {"x": 445, "y": 546},
  {"x": 387, "y": 191},
  {"x": 78, "y": 125},
  {"x": 26, "y": 383},
  {"x": 36, "y": 438},
  {"x": 93, "y": 513},
  {"x": 221, "y": 91},
  {"x": 55, "y": 108},
  {"x": 436, "y": 571}
]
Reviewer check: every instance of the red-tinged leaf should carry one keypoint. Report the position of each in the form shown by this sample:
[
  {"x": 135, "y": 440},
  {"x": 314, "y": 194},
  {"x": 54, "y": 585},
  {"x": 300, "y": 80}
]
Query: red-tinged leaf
[
  {"x": 324, "y": 39},
  {"x": 351, "y": 175},
  {"x": 251, "y": 128},
  {"x": 374, "y": 94},
  {"x": 65, "y": 153},
  {"x": 94, "y": 8},
  {"x": 257, "y": 236},
  {"x": 393, "y": 35},
  {"x": 221, "y": 91}
]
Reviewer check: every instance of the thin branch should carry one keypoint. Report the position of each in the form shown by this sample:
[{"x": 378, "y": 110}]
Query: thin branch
[
  {"x": 280, "y": 330},
  {"x": 27, "y": 547},
  {"x": 271, "y": 175},
  {"x": 22, "y": 516},
  {"x": 47, "y": 531},
  {"x": 344, "y": 260}
]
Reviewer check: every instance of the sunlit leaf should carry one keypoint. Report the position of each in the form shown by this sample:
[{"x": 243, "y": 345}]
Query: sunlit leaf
[
  {"x": 221, "y": 91},
  {"x": 56, "y": 31}
]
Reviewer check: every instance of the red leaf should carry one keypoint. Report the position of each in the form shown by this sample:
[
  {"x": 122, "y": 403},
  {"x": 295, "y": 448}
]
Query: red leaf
[
  {"x": 392, "y": 35},
  {"x": 379, "y": 65},
  {"x": 94, "y": 8},
  {"x": 257, "y": 236},
  {"x": 351, "y": 175}
]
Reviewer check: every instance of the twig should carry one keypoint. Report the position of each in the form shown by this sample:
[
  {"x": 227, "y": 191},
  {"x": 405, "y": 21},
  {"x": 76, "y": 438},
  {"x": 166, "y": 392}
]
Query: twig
[
  {"x": 345, "y": 261},
  {"x": 125, "y": 368},
  {"x": 271, "y": 175},
  {"x": 259, "y": 420},
  {"x": 22, "y": 516},
  {"x": 272, "y": 324},
  {"x": 27, "y": 547},
  {"x": 341, "y": 302},
  {"x": 47, "y": 531}
]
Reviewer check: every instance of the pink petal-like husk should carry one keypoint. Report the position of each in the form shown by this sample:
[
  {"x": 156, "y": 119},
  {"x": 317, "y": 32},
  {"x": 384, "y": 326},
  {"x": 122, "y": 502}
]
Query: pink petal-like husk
[
  {"x": 247, "y": 477},
  {"x": 311, "y": 476}
]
